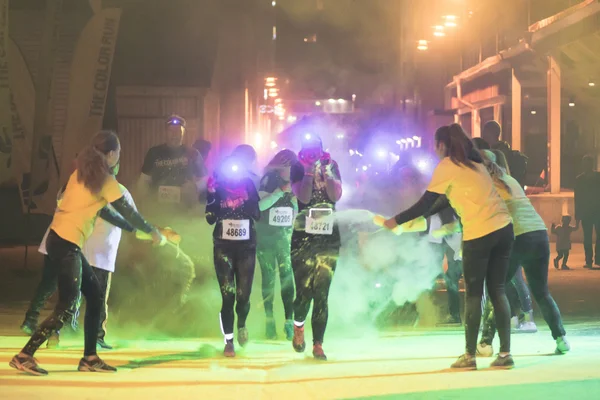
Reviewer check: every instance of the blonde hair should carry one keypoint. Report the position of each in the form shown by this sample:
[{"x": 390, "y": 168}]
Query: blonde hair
[
  {"x": 496, "y": 172},
  {"x": 92, "y": 166}
]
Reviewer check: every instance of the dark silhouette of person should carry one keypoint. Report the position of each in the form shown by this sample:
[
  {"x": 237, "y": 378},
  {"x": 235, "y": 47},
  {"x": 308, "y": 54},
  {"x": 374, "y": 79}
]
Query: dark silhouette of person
[
  {"x": 587, "y": 209},
  {"x": 517, "y": 161}
]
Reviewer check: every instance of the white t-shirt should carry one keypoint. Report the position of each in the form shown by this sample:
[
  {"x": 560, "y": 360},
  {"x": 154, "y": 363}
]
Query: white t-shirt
[{"x": 100, "y": 250}]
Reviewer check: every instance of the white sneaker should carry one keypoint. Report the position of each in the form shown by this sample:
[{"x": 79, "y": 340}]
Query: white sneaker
[
  {"x": 485, "y": 350},
  {"x": 527, "y": 327},
  {"x": 562, "y": 346},
  {"x": 514, "y": 322}
]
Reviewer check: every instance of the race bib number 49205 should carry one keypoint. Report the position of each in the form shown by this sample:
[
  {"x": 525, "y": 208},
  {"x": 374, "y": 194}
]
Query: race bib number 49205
[
  {"x": 236, "y": 229},
  {"x": 281, "y": 216},
  {"x": 320, "y": 226},
  {"x": 169, "y": 194}
]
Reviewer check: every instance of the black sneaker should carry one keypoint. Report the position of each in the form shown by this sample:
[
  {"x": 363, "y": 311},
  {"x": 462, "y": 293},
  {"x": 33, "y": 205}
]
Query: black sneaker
[
  {"x": 503, "y": 362},
  {"x": 588, "y": 266},
  {"x": 96, "y": 365},
  {"x": 53, "y": 341},
  {"x": 565, "y": 268},
  {"x": 27, "y": 364},
  {"x": 465, "y": 362},
  {"x": 556, "y": 263},
  {"x": 28, "y": 327},
  {"x": 100, "y": 342},
  {"x": 243, "y": 336},
  {"x": 271, "y": 329},
  {"x": 229, "y": 350}
]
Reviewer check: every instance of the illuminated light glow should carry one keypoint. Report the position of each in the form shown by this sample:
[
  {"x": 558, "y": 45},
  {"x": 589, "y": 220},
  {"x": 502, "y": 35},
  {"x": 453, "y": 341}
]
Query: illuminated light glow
[
  {"x": 292, "y": 118},
  {"x": 450, "y": 17},
  {"x": 273, "y": 144},
  {"x": 592, "y": 84},
  {"x": 439, "y": 27},
  {"x": 422, "y": 165},
  {"x": 277, "y": 101},
  {"x": 235, "y": 168},
  {"x": 271, "y": 79},
  {"x": 351, "y": 152},
  {"x": 331, "y": 100},
  {"x": 307, "y": 136},
  {"x": 378, "y": 285},
  {"x": 398, "y": 142},
  {"x": 266, "y": 94},
  {"x": 356, "y": 169},
  {"x": 273, "y": 3},
  {"x": 317, "y": 103},
  {"x": 341, "y": 101},
  {"x": 274, "y": 32},
  {"x": 571, "y": 104},
  {"x": 422, "y": 45},
  {"x": 340, "y": 135},
  {"x": 364, "y": 168},
  {"x": 381, "y": 153},
  {"x": 533, "y": 112},
  {"x": 353, "y": 97},
  {"x": 439, "y": 34},
  {"x": 526, "y": 187},
  {"x": 258, "y": 140},
  {"x": 450, "y": 24}
]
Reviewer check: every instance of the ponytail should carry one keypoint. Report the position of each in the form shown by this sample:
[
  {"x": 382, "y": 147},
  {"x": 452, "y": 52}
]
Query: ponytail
[
  {"x": 92, "y": 166},
  {"x": 458, "y": 145},
  {"x": 495, "y": 171}
]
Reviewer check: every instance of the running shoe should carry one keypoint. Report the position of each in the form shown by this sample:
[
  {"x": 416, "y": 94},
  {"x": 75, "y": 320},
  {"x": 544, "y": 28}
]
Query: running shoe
[
  {"x": 96, "y": 365},
  {"x": 27, "y": 364}
]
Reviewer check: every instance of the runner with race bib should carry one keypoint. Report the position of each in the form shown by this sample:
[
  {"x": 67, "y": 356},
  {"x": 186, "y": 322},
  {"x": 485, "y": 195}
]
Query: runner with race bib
[
  {"x": 232, "y": 206},
  {"x": 279, "y": 207},
  {"x": 317, "y": 183}
]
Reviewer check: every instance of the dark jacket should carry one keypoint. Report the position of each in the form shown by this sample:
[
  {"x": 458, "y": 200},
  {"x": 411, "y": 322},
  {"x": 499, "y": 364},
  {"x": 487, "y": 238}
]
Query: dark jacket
[{"x": 587, "y": 196}]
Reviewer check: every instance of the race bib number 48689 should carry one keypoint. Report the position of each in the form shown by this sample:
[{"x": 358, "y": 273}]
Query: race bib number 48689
[
  {"x": 236, "y": 229},
  {"x": 281, "y": 216}
]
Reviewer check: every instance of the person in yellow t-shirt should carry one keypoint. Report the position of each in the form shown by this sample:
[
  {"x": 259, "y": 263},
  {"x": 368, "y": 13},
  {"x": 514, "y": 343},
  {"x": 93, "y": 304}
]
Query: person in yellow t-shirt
[
  {"x": 487, "y": 234},
  {"x": 90, "y": 188}
]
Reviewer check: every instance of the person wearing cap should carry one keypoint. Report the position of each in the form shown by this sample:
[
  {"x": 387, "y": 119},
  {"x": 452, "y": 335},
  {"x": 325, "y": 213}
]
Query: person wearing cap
[
  {"x": 168, "y": 189},
  {"x": 317, "y": 184}
]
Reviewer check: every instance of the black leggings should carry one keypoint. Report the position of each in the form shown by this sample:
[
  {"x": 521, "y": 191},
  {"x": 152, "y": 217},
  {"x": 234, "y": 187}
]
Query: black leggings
[
  {"x": 314, "y": 259},
  {"x": 273, "y": 253},
  {"x": 74, "y": 275},
  {"x": 234, "y": 266},
  {"x": 486, "y": 259},
  {"x": 564, "y": 256},
  {"x": 532, "y": 251}
]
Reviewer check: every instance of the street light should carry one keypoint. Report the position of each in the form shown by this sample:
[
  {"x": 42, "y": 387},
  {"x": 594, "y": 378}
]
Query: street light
[
  {"x": 439, "y": 31},
  {"x": 450, "y": 21},
  {"x": 422, "y": 45}
]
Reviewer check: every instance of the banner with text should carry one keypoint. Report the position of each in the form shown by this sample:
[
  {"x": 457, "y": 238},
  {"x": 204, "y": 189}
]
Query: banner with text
[{"x": 90, "y": 78}]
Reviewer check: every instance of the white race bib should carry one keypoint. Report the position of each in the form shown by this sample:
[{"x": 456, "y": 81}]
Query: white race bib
[
  {"x": 234, "y": 229},
  {"x": 320, "y": 226},
  {"x": 169, "y": 194},
  {"x": 281, "y": 216}
]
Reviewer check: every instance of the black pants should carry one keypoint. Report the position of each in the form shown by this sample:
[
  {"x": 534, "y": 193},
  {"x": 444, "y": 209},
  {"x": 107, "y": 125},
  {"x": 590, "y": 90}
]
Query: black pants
[
  {"x": 452, "y": 278},
  {"x": 532, "y": 251},
  {"x": 518, "y": 294},
  {"x": 314, "y": 259},
  {"x": 486, "y": 259},
  {"x": 273, "y": 253},
  {"x": 590, "y": 225},
  {"x": 564, "y": 256},
  {"x": 234, "y": 266},
  {"x": 104, "y": 278},
  {"x": 74, "y": 275}
]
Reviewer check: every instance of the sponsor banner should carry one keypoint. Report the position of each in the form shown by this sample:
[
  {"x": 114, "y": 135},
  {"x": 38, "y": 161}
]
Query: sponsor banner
[{"x": 89, "y": 83}]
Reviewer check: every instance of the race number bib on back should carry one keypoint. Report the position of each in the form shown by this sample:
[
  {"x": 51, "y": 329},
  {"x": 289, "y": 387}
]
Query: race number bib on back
[
  {"x": 319, "y": 222},
  {"x": 236, "y": 229},
  {"x": 281, "y": 216},
  {"x": 169, "y": 194}
]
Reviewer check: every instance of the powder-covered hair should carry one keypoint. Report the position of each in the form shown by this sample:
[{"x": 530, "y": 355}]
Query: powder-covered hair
[{"x": 92, "y": 166}]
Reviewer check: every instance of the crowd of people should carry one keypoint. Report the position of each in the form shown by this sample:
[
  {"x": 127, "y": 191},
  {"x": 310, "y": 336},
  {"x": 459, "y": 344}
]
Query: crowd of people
[{"x": 476, "y": 214}]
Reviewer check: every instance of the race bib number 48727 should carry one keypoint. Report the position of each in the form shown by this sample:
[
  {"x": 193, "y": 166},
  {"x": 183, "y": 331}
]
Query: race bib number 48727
[
  {"x": 169, "y": 194},
  {"x": 236, "y": 229},
  {"x": 281, "y": 216},
  {"x": 320, "y": 226}
]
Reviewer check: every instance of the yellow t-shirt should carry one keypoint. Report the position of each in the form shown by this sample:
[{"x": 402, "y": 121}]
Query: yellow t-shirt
[
  {"x": 472, "y": 194},
  {"x": 76, "y": 213}
]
